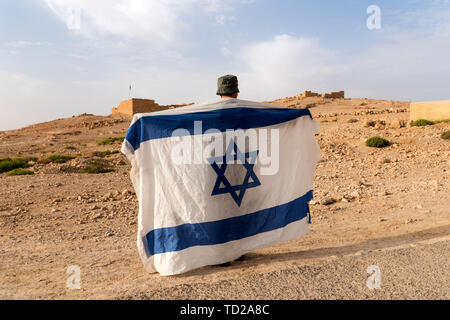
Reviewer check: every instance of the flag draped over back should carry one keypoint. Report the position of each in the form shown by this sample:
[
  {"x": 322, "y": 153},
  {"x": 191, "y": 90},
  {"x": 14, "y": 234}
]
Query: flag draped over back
[{"x": 219, "y": 179}]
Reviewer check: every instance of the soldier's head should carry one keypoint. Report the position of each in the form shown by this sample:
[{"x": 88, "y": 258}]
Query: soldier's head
[{"x": 227, "y": 86}]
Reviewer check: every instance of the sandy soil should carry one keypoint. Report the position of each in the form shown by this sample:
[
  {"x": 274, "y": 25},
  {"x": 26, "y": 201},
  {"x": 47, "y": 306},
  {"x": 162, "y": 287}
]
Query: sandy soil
[{"x": 387, "y": 207}]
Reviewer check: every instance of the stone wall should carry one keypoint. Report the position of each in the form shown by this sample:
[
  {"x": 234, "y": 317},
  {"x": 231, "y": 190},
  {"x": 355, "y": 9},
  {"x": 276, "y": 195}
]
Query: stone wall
[
  {"x": 125, "y": 108},
  {"x": 307, "y": 94},
  {"x": 334, "y": 95},
  {"x": 133, "y": 106},
  {"x": 432, "y": 110},
  {"x": 330, "y": 95}
]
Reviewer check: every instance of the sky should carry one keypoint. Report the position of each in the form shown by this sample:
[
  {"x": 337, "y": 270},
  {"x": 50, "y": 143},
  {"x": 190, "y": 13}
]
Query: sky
[{"x": 60, "y": 58}]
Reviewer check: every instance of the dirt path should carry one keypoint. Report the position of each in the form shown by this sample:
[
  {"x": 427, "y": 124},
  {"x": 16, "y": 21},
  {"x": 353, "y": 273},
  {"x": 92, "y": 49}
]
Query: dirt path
[{"x": 414, "y": 271}]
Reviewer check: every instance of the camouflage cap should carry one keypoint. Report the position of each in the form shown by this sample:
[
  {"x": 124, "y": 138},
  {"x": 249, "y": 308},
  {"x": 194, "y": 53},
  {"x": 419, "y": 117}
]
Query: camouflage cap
[{"x": 227, "y": 85}]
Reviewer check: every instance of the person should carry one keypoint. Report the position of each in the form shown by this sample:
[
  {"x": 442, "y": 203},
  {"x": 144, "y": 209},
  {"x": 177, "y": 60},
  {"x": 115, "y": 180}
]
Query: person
[{"x": 228, "y": 86}]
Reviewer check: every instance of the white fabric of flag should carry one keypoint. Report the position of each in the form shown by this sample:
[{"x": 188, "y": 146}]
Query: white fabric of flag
[{"x": 218, "y": 180}]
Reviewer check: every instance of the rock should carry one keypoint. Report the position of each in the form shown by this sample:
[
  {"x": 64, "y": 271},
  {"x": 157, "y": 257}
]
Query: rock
[
  {"x": 336, "y": 197},
  {"x": 380, "y": 126},
  {"x": 397, "y": 124},
  {"x": 356, "y": 184},
  {"x": 126, "y": 192},
  {"x": 97, "y": 216},
  {"x": 384, "y": 160},
  {"x": 369, "y": 123},
  {"x": 327, "y": 201},
  {"x": 354, "y": 194}
]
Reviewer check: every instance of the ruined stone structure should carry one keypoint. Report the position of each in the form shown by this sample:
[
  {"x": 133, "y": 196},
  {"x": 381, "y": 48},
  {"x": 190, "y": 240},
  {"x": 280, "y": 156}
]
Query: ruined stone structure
[
  {"x": 432, "y": 110},
  {"x": 334, "y": 95},
  {"x": 307, "y": 94},
  {"x": 132, "y": 106},
  {"x": 330, "y": 95}
]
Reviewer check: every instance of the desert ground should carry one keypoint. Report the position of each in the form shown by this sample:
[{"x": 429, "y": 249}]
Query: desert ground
[{"x": 387, "y": 207}]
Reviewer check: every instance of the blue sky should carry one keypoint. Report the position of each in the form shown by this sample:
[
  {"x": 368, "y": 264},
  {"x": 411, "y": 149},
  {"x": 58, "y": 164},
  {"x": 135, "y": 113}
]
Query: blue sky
[{"x": 64, "y": 57}]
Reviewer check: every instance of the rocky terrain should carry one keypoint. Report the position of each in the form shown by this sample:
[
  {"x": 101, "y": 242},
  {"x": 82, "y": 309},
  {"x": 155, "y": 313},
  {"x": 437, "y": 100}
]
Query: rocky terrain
[{"x": 389, "y": 207}]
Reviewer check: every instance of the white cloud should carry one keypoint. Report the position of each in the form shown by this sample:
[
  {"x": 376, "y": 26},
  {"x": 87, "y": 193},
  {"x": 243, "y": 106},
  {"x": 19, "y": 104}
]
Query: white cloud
[
  {"x": 411, "y": 62},
  {"x": 160, "y": 21},
  {"x": 407, "y": 67},
  {"x": 285, "y": 65},
  {"x": 215, "y": 6},
  {"x": 27, "y": 44},
  {"x": 221, "y": 19},
  {"x": 155, "y": 20}
]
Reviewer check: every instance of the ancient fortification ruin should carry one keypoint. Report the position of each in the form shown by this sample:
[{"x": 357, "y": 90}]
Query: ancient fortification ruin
[
  {"x": 132, "y": 106},
  {"x": 330, "y": 95}
]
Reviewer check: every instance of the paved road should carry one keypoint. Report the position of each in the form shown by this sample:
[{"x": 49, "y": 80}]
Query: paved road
[{"x": 420, "y": 271}]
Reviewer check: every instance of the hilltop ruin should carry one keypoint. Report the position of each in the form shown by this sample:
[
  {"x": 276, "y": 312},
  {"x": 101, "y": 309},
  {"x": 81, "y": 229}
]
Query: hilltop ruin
[
  {"x": 132, "y": 106},
  {"x": 330, "y": 95}
]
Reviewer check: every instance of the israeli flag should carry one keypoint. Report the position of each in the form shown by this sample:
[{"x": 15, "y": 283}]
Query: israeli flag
[{"x": 220, "y": 179}]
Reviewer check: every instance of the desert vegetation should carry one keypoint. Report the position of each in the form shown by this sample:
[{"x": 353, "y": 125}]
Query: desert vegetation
[
  {"x": 377, "y": 142},
  {"x": 19, "y": 172},
  {"x": 8, "y": 164},
  {"x": 110, "y": 140},
  {"x": 96, "y": 167}
]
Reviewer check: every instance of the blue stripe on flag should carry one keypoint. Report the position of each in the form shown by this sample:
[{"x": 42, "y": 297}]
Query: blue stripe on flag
[
  {"x": 217, "y": 232},
  {"x": 162, "y": 126}
]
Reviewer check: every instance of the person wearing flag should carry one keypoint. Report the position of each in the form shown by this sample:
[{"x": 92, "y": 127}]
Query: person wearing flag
[{"x": 220, "y": 179}]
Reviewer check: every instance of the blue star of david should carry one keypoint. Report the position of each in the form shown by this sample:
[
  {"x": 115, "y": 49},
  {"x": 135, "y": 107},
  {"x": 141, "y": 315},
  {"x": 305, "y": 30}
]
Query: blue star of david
[{"x": 238, "y": 191}]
